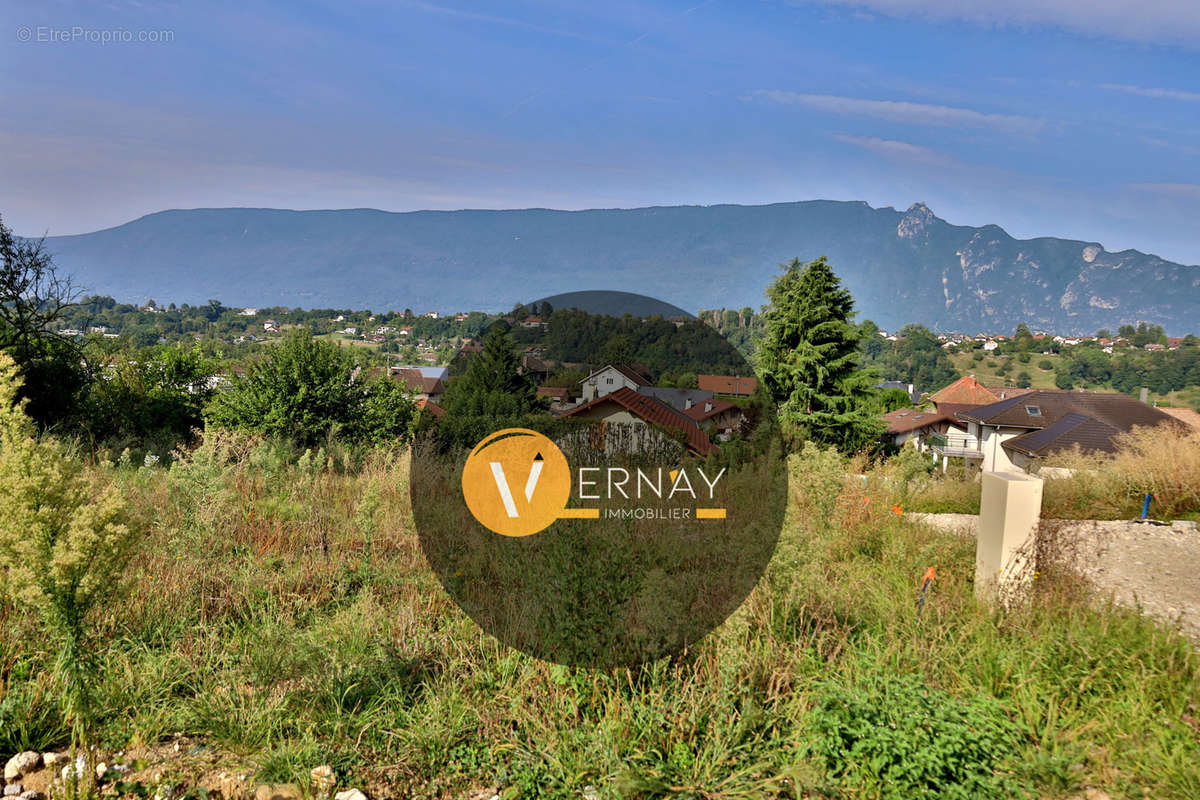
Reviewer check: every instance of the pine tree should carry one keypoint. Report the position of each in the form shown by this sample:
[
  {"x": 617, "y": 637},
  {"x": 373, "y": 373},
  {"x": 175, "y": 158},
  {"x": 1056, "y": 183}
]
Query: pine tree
[
  {"x": 490, "y": 394},
  {"x": 809, "y": 359}
]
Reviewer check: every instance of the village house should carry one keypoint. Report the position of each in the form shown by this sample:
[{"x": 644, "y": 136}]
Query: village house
[
  {"x": 722, "y": 416},
  {"x": 678, "y": 399},
  {"x": 612, "y": 377},
  {"x": 941, "y": 430},
  {"x": 642, "y": 415},
  {"x": 425, "y": 383},
  {"x": 1018, "y": 433}
]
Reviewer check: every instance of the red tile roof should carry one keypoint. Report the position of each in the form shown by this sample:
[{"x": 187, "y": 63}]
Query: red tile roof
[
  {"x": 432, "y": 408},
  {"x": 556, "y": 392},
  {"x": 1183, "y": 415},
  {"x": 727, "y": 384},
  {"x": 965, "y": 391},
  {"x": 715, "y": 407},
  {"x": 653, "y": 412},
  {"x": 419, "y": 383},
  {"x": 906, "y": 420}
]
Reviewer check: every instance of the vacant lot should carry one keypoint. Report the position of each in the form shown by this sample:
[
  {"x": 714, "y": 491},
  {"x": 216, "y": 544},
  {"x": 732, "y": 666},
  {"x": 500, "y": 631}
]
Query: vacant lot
[{"x": 283, "y": 617}]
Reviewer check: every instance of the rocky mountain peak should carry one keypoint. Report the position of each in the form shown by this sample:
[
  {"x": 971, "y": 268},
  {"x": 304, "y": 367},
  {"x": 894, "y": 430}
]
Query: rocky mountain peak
[{"x": 915, "y": 222}]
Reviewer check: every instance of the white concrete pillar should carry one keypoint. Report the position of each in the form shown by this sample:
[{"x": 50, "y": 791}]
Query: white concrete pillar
[{"x": 1009, "y": 509}]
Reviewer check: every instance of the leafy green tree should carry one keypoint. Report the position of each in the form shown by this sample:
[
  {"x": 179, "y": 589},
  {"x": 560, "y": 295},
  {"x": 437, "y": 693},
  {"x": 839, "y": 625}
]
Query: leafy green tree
[
  {"x": 1022, "y": 341},
  {"x": 1024, "y": 380},
  {"x": 34, "y": 297},
  {"x": 307, "y": 389},
  {"x": 150, "y": 399},
  {"x": 491, "y": 393},
  {"x": 1104, "y": 333},
  {"x": 809, "y": 359}
]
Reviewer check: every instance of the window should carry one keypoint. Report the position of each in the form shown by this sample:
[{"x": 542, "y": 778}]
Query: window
[
  {"x": 608, "y": 381},
  {"x": 1033, "y": 411}
]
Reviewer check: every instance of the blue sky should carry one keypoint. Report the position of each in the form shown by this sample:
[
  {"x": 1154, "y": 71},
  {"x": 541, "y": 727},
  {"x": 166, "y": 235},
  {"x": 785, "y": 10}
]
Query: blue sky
[{"x": 1049, "y": 117}]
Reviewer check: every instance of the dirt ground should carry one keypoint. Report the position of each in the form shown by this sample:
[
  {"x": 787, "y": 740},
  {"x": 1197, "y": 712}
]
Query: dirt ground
[{"x": 1154, "y": 567}]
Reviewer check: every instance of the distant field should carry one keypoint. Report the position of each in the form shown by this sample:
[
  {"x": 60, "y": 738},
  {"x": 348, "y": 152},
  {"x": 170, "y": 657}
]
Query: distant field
[
  {"x": 1044, "y": 379},
  {"x": 986, "y": 374}
]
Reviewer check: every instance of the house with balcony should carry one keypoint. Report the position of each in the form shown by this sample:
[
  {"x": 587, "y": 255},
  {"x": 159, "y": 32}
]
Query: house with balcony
[{"x": 1019, "y": 433}]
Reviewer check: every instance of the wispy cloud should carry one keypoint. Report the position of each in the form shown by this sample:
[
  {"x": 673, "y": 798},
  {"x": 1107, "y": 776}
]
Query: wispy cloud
[
  {"x": 1156, "y": 93},
  {"x": 1169, "y": 21},
  {"x": 894, "y": 149},
  {"x": 903, "y": 111},
  {"x": 1190, "y": 191}
]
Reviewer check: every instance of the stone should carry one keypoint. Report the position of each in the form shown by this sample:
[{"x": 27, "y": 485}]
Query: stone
[
  {"x": 52, "y": 760},
  {"x": 101, "y": 770},
  {"x": 22, "y": 764},
  {"x": 350, "y": 794},
  {"x": 70, "y": 771},
  {"x": 1184, "y": 525},
  {"x": 31, "y": 795},
  {"x": 278, "y": 791},
  {"x": 323, "y": 779},
  {"x": 13, "y": 789}
]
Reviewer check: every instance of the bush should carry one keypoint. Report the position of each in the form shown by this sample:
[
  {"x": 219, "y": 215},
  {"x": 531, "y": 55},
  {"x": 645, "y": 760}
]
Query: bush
[
  {"x": 1045, "y": 365},
  {"x": 1024, "y": 358},
  {"x": 896, "y": 737},
  {"x": 65, "y": 538},
  {"x": 977, "y": 356},
  {"x": 1024, "y": 380},
  {"x": 307, "y": 390}
]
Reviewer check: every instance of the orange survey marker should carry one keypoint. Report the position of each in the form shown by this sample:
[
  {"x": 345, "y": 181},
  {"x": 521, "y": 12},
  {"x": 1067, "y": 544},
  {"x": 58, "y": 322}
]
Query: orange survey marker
[{"x": 926, "y": 580}]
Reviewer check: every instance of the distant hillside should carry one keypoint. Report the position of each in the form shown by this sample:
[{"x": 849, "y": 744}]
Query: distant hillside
[
  {"x": 901, "y": 266},
  {"x": 615, "y": 304}
]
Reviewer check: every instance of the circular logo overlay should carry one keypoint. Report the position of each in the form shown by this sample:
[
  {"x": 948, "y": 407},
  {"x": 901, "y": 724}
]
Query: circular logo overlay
[{"x": 603, "y": 482}]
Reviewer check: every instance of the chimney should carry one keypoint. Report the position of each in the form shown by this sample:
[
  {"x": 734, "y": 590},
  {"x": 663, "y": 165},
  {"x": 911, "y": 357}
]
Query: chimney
[
  {"x": 687, "y": 403},
  {"x": 707, "y": 406},
  {"x": 1144, "y": 395}
]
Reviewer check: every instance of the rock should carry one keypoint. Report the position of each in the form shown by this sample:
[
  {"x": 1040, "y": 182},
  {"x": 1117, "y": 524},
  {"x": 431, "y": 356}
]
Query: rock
[
  {"x": 52, "y": 760},
  {"x": 31, "y": 795},
  {"x": 323, "y": 779},
  {"x": 1096, "y": 794},
  {"x": 590, "y": 793},
  {"x": 101, "y": 770},
  {"x": 278, "y": 791},
  {"x": 1184, "y": 525},
  {"x": 350, "y": 794},
  {"x": 22, "y": 764},
  {"x": 69, "y": 772},
  {"x": 13, "y": 789}
]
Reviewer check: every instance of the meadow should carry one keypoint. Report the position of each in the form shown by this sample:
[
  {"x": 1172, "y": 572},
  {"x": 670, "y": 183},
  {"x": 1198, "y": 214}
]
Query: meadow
[{"x": 281, "y": 614}]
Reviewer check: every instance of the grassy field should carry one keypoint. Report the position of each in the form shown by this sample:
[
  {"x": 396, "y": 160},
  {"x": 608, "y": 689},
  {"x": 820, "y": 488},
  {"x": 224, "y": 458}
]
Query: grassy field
[
  {"x": 986, "y": 372},
  {"x": 283, "y": 614}
]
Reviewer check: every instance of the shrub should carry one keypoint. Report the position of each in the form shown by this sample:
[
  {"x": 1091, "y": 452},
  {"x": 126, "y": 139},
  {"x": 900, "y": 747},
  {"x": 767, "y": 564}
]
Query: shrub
[
  {"x": 1024, "y": 358},
  {"x": 309, "y": 389},
  {"x": 1045, "y": 365},
  {"x": 896, "y": 737},
  {"x": 65, "y": 538}
]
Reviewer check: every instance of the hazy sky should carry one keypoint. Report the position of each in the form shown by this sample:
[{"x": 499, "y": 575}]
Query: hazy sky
[{"x": 1076, "y": 118}]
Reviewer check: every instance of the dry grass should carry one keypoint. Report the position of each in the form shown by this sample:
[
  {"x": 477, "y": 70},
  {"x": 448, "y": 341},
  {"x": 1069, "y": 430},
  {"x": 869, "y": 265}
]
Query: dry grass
[{"x": 284, "y": 612}]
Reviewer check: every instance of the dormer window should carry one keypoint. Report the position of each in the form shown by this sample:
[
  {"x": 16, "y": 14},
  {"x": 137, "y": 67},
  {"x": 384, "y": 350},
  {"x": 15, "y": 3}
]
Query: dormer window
[{"x": 1033, "y": 411}]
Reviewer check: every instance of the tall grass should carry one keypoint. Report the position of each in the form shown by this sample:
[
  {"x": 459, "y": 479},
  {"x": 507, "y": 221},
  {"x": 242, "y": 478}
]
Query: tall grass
[{"x": 284, "y": 612}]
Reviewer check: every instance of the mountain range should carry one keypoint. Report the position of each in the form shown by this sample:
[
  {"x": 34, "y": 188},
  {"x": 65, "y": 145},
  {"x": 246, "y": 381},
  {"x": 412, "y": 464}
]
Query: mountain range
[{"x": 902, "y": 266}]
